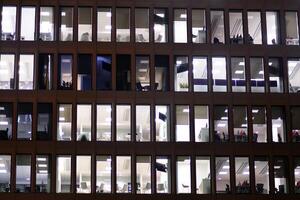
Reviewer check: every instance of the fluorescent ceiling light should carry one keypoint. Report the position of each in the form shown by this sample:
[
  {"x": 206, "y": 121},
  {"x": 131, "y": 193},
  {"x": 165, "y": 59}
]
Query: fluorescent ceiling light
[
  {"x": 239, "y": 72},
  {"x": 223, "y": 173},
  {"x": 183, "y": 16},
  {"x": 45, "y": 13}
]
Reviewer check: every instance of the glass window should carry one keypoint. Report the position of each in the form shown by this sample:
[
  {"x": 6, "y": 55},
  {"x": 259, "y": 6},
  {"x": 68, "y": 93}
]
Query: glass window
[
  {"x": 43, "y": 173},
  {"x": 291, "y": 28},
  {"x": 161, "y": 25},
  {"x": 161, "y": 73},
  {"x": 66, "y": 24},
  {"x": 23, "y": 173},
  {"x": 83, "y": 174},
  {"x": 217, "y": 27},
  {"x": 84, "y": 122},
  {"x": 259, "y": 120},
  {"x": 294, "y": 70},
  {"x": 180, "y": 26},
  {"x": 103, "y": 173},
  {"x": 104, "y": 75},
  {"x": 104, "y": 122},
  {"x": 5, "y": 170},
  {"x": 104, "y": 25},
  {"x": 198, "y": 26},
  {"x": 236, "y": 27},
  {"x": 44, "y": 121},
  {"x": 257, "y": 75},
  {"x": 6, "y": 115},
  {"x": 123, "y": 24},
  {"x": 278, "y": 124},
  {"x": 261, "y": 169},
  {"x": 142, "y": 123},
  {"x": 200, "y": 74},
  {"x": 162, "y": 123},
  {"x": 123, "y": 174},
  {"x": 295, "y": 117},
  {"x": 24, "y": 121},
  {"x": 7, "y": 69},
  {"x": 84, "y": 72},
  {"x": 273, "y": 35},
  {"x": 163, "y": 174},
  {"x": 46, "y": 23},
  {"x": 64, "y": 122},
  {"x": 201, "y": 123},
  {"x": 123, "y": 72},
  {"x": 242, "y": 175},
  {"x": 219, "y": 74},
  {"x": 221, "y": 124},
  {"x": 183, "y": 174},
  {"x": 45, "y": 71},
  {"x": 27, "y": 23},
  {"x": 222, "y": 167},
  {"x": 203, "y": 176},
  {"x": 275, "y": 75},
  {"x": 141, "y": 25},
  {"x": 281, "y": 174},
  {"x": 65, "y": 72},
  {"x": 123, "y": 117},
  {"x": 85, "y": 33},
  {"x": 240, "y": 124},
  {"x": 63, "y": 174},
  {"x": 182, "y": 123},
  {"x": 142, "y": 73},
  {"x": 8, "y": 23},
  {"x": 143, "y": 174},
  {"x": 26, "y": 71},
  {"x": 238, "y": 74},
  {"x": 297, "y": 175},
  {"x": 181, "y": 79},
  {"x": 254, "y": 28}
]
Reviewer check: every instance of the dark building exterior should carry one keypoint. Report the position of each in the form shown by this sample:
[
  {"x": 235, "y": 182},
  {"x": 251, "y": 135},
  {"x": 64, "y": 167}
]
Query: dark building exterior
[{"x": 131, "y": 99}]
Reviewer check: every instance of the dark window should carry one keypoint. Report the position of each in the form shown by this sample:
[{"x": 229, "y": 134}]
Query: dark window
[
  {"x": 123, "y": 72},
  {"x": 103, "y": 72},
  {"x": 45, "y": 71},
  {"x": 44, "y": 120},
  {"x": 65, "y": 72},
  {"x": 162, "y": 73},
  {"x": 84, "y": 72},
  {"x": 281, "y": 174}
]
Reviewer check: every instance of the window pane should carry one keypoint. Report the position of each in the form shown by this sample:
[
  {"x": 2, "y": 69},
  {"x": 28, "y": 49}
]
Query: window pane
[
  {"x": 104, "y": 76},
  {"x": 259, "y": 120},
  {"x": 236, "y": 27},
  {"x": 217, "y": 27},
  {"x": 261, "y": 168},
  {"x": 203, "y": 176},
  {"x": 242, "y": 175},
  {"x": 84, "y": 72},
  {"x": 104, "y": 24},
  {"x": 221, "y": 124},
  {"x": 278, "y": 124},
  {"x": 240, "y": 124},
  {"x": 183, "y": 174},
  {"x": 295, "y": 117},
  {"x": 254, "y": 28},
  {"x": 26, "y": 71},
  {"x": 47, "y": 23},
  {"x": 201, "y": 123},
  {"x": 7, "y": 69},
  {"x": 181, "y": 79},
  {"x": 5, "y": 162},
  {"x": 198, "y": 26},
  {"x": 293, "y": 67},
  {"x": 200, "y": 74},
  {"x": 64, "y": 122},
  {"x": 142, "y": 123},
  {"x": 44, "y": 121},
  {"x": 43, "y": 173},
  {"x": 257, "y": 75},
  {"x": 182, "y": 123},
  {"x": 123, "y": 24},
  {"x": 103, "y": 170},
  {"x": 276, "y": 75},
  {"x": 292, "y": 29},
  {"x": 104, "y": 122},
  {"x": 84, "y": 122},
  {"x": 143, "y": 174},
  {"x": 297, "y": 175},
  {"x": 281, "y": 175},
  {"x": 123, "y": 117},
  {"x": 23, "y": 173},
  {"x": 85, "y": 24},
  {"x": 142, "y": 73},
  {"x": 66, "y": 24},
  {"x": 123, "y": 72},
  {"x": 161, "y": 25},
  {"x": 6, "y": 115},
  {"x": 163, "y": 174},
  {"x": 24, "y": 121},
  {"x": 123, "y": 174},
  {"x": 222, "y": 175},
  {"x": 63, "y": 174},
  {"x": 180, "y": 26},
  {"x": 27, "y": 23},
  {"x": 65, "y": 72},
  {"x": 238, "y": 74},
  {"x": 45, "y": 71},
  {"x": 8, "y": 23},
  {"x": 162, "y": 123},
  {"x": 83, "y": 174},
  {"x": 219, "y": 74},
  {"x": 161, "y": 72},
  {"x": 141, "y": 25},
  {"x": 273, "y": 36}
]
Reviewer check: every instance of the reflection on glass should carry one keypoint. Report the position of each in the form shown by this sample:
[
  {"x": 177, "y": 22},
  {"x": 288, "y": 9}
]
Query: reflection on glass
[
  {"x": 240, "y": 124},
  {"x": 123, "y": 24},
  {"x": 273, "y": 35},
  {"x": 66, "y": 24},
  {"x": 123, "y": 72},
  {"x": 5, "y": 169},
  {"x": 254, "y": 28},
  {"x": 217, "y": 27},
  {"x": 46, "y": 23},
  {"x": 123, "y": 173},
  {"x": 281, "y": 174},
  {"x": 278, "y": 124},
  {"x": 297, "y": 175},
  {"x": 83, "y": 174},
  {"x": 85, "y": 33},
  {"x": 8, "y": 23},
  {"x": 123, "y": 117},
  {"x": 163, "y": 174},
  {"x": 24, "y": 129},
  {"x": 103, "y": 174},
  {"x": 219, "y": 74},
  {"x": 257, "y": 75},
  {"x": 200, "y": 74},
  {"x": 104, "y": 26},
  {"x": 63, "y": 174},
  {"x": 26, "y": 71},
  {"x": 84, "y": 72},
  {"x": 182, "y": 131},
  {"x": 43, "y": 173},
  {"x": 104, "y": 122},
  {"x": 236, "y": 27},
  {"x": 275, "y": 75},
  {"x": 142, "y": 123},
  {"x": 295, "y": 117},
  {"x": 180, "y": 26},
  {"x": 161, "y": 72},
  {"x": 242, "y": 175},
  {"x": 103, "y": 68},
  {"x": 238, "y": 74},
  {"x": 27, "y": 23},
  {"x": 221, "y": 124},
  {"x": 161, "y": 21},
  {"x": 141, "y": 25},
  {"x": 162, "y": 123},
  {"x": 23, "y": 173},
  {"x": 6, "y": 115},
  {"x": 142, "y": 73},
  {"x": 201, "y": 123},
  {"x": 259, "y": 120},
  {"x": 294, "y": 70},
  {"x": 291, "y": 28},
  {"x": 261, "y": 169},
  {"x": 84, "y": 122},
  {"x": 143, "y": 174},
  {"x": 45, "y": 71},
  {"x": 183, "y": 174},
  {"x": 64, "y": 122},
  {"x": 7, "y": 70},
  {"x": 44, "y": 121},
  {"x": 65, "y": 72},
  {"x": 198, "y": 26},
  {"x": 203, "y": 175},
  {"x": 181, "y": 71},
  {"x": 222, "y": 171}
]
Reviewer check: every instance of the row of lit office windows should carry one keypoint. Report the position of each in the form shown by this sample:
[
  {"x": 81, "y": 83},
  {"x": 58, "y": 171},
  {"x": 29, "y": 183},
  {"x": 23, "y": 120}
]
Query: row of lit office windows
[
  {"x": 220, "y": 169},
  {"x": 222, "y": 123},
  {"x": 256, "y": 74},
  {"x": 182, "y": 32}
]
